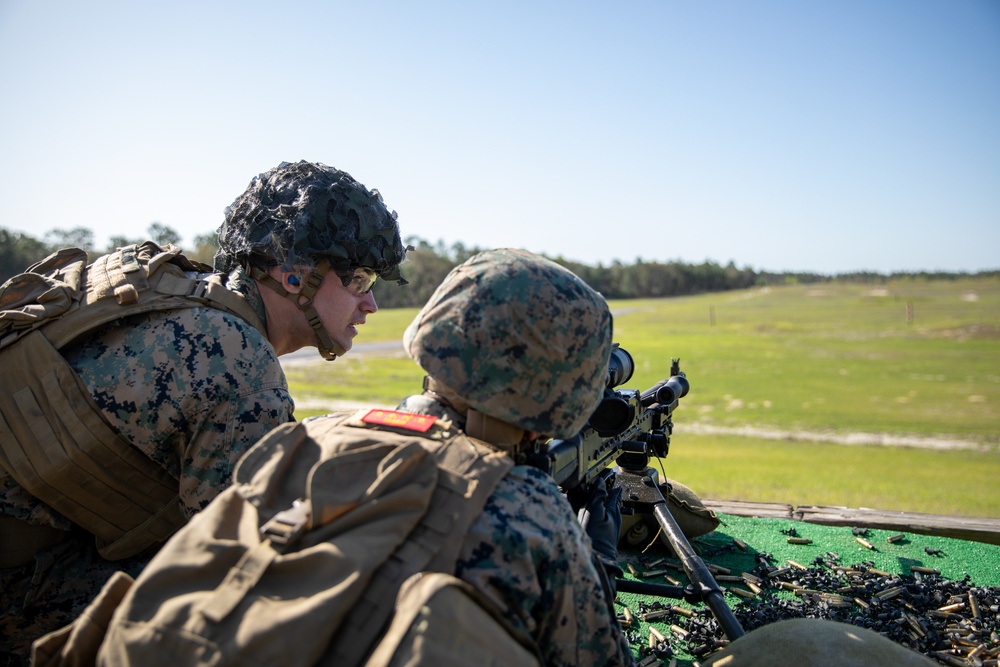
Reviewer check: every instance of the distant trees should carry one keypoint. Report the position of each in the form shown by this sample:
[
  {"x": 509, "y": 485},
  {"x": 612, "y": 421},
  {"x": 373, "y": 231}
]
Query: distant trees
[
  {"x": 427, "y": 264},
  {"x": 204, "y": 249},
  {"x": 157, "y": 232},
  {"x": 424, "y": 269},
  {"x": 18, "y": 251},
  {"x": 77, "y": 237}
]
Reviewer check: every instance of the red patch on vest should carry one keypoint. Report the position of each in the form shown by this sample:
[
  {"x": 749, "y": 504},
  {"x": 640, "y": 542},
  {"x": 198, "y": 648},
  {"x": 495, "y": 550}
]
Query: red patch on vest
[{"x": 404, "y": 420}]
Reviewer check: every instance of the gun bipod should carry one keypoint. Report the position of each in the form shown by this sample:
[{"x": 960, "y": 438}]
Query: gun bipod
[{"x": 641, "y": 490}]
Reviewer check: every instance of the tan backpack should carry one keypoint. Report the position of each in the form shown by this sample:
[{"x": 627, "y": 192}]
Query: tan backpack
[
  {"x": 301, "y": 560},
  {"x": 54, "y": 441}
]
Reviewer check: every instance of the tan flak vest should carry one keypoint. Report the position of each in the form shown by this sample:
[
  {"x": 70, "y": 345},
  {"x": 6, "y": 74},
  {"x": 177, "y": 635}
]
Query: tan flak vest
[
  {"x": 334, "y": 546},
  {"x": 54, "y": 440}
]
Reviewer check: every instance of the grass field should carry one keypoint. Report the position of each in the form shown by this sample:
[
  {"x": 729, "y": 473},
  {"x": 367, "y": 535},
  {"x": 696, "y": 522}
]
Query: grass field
[{"x": 781, "y": 379}]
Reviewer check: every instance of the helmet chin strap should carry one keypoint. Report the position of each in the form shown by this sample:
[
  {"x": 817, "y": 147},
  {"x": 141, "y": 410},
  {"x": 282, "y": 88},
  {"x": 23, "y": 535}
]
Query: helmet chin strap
[
  {"x": 328, "y": 348},
  {"x": 504, "y": 436}
]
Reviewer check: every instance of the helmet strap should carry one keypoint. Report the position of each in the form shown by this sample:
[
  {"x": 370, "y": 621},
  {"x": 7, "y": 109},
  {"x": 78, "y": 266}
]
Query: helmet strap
[
  {"x": 502, "y": 435},
  {"x": 328, "y": 349}
]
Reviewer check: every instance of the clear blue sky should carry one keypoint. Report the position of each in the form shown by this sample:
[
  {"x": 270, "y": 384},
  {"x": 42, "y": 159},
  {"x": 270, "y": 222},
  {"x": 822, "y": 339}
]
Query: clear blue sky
[{"x": 821, "y": 136}]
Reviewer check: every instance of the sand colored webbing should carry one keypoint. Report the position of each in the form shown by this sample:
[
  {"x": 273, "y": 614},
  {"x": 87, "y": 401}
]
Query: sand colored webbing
[
  {"x": 54, "y": 440},
  {"x": 158, "y": 277},
  {"x": 56, "y": 445},
  {"x": 443, "y": 621}
]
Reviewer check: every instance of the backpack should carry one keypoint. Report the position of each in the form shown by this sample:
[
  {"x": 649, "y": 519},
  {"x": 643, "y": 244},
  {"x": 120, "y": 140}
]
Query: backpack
[
  {"x": 334, "y": 546},
  {"x": 54, "y": 440}
]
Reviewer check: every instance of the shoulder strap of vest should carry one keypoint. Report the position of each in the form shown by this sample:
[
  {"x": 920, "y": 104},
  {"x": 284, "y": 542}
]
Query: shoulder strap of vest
[
  {"x": 54, "y": 440},
  {"x": 140, "y": 279},
  {"x": 469, "y": 472}
]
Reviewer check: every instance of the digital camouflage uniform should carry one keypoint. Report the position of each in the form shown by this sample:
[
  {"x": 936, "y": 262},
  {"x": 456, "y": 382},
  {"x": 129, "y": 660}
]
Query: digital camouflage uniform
[
  {"x": 518, "y": 338},
  {"x": 528, "y": 553},
  {"x": 193, "y": 389}
]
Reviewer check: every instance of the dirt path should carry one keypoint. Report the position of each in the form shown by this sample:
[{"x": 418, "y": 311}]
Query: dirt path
[
  {"x": 856, "y": 439},
  {"x": 308, "y": 356}
]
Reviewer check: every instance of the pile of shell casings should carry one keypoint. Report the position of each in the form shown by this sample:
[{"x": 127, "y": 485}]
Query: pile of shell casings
[{"x": 954, "y": 622}]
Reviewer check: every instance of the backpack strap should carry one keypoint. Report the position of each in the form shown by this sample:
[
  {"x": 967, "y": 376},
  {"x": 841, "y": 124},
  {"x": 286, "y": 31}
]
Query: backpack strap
[{"x": 469, "y": 472}]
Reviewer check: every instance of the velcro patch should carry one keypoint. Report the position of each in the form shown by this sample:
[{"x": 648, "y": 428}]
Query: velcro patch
[{"x": 404, "y": 420}]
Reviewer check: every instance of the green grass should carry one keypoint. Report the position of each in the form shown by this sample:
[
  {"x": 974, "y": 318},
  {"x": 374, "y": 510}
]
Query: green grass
[
  {"x": 887, "y": 478},
  {"x": 912, "y": 358},
  {"x": 375, "y": 379},
  {"x": 830, "y": 358}
]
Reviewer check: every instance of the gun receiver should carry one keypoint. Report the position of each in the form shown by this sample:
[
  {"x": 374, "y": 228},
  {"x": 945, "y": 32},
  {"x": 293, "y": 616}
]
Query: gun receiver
[
  {"x": 627, "y": 428},
  {"x": 625, "y": 422}
]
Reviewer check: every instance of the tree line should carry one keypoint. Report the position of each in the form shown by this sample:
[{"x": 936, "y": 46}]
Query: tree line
[{"x": 428, "y": 263}]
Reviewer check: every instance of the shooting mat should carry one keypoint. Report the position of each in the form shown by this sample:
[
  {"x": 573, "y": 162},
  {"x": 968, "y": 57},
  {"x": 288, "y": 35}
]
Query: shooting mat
[{"x": 843, "y": 579}]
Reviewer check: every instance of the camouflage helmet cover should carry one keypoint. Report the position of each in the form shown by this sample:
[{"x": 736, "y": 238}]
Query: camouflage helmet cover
[
  {"x": 298, "y": 213},
  {"x": 520, "y": 338}
]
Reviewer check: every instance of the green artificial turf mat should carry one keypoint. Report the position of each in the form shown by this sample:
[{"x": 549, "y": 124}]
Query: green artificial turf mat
[
  {"x": 953, "y": 558},
  {"x": 832, "y": 551}
]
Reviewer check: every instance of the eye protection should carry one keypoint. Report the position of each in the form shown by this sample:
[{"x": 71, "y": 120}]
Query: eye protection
[{"x": 359, "y": 281}]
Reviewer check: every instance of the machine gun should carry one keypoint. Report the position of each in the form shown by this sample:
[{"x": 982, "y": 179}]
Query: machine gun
[{"x": 627, "y": 428}]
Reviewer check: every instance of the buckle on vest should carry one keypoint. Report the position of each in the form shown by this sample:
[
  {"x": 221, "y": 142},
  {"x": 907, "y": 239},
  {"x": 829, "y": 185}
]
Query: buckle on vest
[
  {"x": 199, "y": 290},
  {"x": 287, "y": 525}
]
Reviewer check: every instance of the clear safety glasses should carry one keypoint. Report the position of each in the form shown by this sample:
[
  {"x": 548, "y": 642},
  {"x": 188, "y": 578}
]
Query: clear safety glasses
[{"x": 359, "y": 281}]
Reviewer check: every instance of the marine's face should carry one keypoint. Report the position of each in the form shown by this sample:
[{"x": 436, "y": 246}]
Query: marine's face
[{"x": 343, "y": 309}]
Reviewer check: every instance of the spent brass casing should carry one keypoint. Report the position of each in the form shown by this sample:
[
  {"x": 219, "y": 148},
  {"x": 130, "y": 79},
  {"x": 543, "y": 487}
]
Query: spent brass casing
[
  {"x": 653, "y": 573},
  {"x": 683, "y": 611},
  {"x": 889, "y": 593},
  {"x": 653, "y": 615},
  {"x": 974, "y": 605}
]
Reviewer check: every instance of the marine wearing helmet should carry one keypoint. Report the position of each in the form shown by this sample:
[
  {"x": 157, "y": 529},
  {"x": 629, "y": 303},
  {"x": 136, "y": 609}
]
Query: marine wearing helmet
[
  {"x": 299, "y": 221},
  {"x": 517, "y": 338}
]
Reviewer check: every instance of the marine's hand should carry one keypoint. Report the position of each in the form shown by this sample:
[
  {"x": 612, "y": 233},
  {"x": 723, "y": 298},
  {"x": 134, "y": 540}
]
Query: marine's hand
[{"x": 601, "y": 519}]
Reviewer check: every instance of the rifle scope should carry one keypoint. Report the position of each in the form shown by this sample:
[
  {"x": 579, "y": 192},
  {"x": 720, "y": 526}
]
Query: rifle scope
[{"x": 620, "y": 367}]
